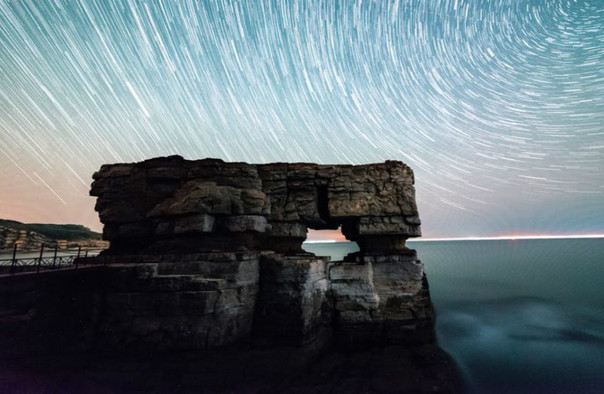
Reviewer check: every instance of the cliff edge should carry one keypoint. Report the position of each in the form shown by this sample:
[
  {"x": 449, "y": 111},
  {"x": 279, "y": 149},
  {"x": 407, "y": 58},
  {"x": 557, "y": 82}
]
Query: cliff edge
[
  {"x": 255, "y": 218},
  {"x": 206, "y": 261}
]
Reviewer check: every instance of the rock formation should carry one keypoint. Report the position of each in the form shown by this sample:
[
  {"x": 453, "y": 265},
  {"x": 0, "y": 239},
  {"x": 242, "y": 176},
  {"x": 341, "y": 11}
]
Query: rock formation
[
  {"x": 205, "y": 287},
  {"x": 175, "y": 205},
  {"x": 210, "y": 254}
]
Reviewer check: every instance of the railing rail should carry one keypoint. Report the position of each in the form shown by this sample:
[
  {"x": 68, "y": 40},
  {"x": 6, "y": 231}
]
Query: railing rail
[{"x": 59, "y": 259}]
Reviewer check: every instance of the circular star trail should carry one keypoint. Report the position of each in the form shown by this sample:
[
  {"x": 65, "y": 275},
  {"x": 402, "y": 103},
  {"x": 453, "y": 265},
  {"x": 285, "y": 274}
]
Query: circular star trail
[{"x": 497, "y": 105}]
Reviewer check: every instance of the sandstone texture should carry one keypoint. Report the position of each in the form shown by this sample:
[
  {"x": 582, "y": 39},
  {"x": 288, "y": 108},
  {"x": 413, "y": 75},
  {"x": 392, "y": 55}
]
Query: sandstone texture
[
  {"x": 171, "y": 206},
  {"x": 206, "y": 257},
  {"x": 179, "y": 302},
  {"x": 176, "y": 205}
]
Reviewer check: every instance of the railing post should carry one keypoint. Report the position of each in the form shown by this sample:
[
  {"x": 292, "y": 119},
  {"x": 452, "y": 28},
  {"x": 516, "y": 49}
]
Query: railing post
[
  {"x": 40, "y": 259},
  {"x": 54, "y": 258},
  {"x": 15, "y": 254},
  {"x": 14, "y": 262},
  {"x": 77, "y": 259}
]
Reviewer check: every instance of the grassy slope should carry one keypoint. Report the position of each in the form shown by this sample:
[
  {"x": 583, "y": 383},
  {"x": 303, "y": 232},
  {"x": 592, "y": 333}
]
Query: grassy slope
[{"x": 69, "y": 232}]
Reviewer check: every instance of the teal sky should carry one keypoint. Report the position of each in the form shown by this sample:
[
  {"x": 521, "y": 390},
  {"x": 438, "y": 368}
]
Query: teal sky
[{"x": 498, "y": 106}]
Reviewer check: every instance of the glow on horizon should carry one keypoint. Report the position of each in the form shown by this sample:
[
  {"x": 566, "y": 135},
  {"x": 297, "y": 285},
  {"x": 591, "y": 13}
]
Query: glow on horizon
[
  {"x": 494, "y": 238},
  {"x": 512, "y": 237}
]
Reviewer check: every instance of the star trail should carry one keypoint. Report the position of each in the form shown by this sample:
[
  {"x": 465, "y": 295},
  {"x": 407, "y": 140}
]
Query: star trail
[{"x": 498, "y": 106}]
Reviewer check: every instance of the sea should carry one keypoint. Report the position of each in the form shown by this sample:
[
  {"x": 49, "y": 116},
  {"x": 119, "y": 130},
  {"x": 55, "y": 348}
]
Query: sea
[{"x": 517, "y": 316}]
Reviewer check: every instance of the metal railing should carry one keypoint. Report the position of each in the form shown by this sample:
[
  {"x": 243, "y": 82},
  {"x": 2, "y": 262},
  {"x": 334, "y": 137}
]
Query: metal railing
[{"x": 56, "y": 259}]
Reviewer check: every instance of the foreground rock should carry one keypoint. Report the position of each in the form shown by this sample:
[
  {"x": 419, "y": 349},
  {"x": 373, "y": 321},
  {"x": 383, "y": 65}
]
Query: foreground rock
[
  {"x": 392, "y": 369},
  {"x": 207, "y": 255},
  {"x": 172, "y": 206}
]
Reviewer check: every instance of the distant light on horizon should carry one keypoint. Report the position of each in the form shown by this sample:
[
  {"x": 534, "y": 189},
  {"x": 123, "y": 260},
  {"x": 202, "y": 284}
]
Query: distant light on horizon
[{"x": 508, "y": 237}]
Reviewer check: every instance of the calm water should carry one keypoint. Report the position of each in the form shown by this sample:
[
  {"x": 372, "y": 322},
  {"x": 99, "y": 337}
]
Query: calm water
[{"x": 517, "y": 316}]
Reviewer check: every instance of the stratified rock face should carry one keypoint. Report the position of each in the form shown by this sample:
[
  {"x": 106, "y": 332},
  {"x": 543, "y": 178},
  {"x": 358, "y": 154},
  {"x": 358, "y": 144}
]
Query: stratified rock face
[
  {"x": 175, "y": 205},
  {"x": 178, "y": 302},
  {"x": 171, "y": 207},
  {"x": 381, "y": 299},
  {"x": 293, "y": 307}
]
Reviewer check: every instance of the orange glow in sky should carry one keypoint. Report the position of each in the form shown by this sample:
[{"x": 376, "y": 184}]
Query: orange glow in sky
[
  {"x": 336, "y": 236},
  {"x": 325, "y": 235}
]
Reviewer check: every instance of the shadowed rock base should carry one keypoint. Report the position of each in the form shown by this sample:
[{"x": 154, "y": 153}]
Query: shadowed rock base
[
  {"x": 205, "y": 287},
  {"x": 394, "y": 369}
]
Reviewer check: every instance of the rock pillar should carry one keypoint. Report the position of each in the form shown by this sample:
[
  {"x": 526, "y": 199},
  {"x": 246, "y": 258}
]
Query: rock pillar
[{"x": 173, "y": 207}]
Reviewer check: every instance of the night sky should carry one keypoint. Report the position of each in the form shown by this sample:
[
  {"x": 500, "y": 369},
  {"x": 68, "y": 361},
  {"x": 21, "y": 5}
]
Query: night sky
[{"x": 498, "y": 106}]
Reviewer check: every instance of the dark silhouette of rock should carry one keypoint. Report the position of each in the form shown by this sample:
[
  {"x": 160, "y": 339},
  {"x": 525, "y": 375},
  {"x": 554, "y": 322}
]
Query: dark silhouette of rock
[
  {"x": 146, "y": 206},
  {"x": 206, "y": 255},
  {"x": 175, "y": 206}
]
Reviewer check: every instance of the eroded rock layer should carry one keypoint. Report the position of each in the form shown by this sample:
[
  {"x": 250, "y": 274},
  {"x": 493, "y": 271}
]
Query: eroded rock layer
[
  {"x": 172, "y": 207},
  {"x": 178, "y": 302},
  {"x": 176, "y": 205}
]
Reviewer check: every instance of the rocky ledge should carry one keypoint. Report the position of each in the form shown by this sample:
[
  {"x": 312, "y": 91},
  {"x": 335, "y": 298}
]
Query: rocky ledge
[
  {"x": 176, "y": 205},
  {"x": 206, "y": 255},
  {"x": 172, "y": 206}
]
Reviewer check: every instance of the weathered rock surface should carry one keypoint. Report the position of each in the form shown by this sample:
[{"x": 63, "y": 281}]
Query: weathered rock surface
[
  {"x": 157, "y": 205},
  {"x": 206, "y": 254},
  {"x": 192, "y": 302},
  {"x": 293, "y": 308},
  {"x": 380, "y": 295},
  {"x": 175, "y": 206},
  {"x": 382, "y": 299}
]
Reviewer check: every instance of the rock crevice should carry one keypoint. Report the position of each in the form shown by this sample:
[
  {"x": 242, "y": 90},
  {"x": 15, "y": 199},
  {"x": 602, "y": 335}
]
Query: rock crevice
[{"x": 157, "y": 210}]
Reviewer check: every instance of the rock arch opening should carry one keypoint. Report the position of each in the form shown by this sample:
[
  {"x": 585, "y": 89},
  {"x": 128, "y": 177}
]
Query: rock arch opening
[
  {"x": 170, "y": 204},
  {"x": 331, "y": 243},
  {"x": 242, "y": 226}
]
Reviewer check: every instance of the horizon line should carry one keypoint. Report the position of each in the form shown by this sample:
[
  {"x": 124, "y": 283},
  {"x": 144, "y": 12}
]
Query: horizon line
[{"x": 491, "y": 238}]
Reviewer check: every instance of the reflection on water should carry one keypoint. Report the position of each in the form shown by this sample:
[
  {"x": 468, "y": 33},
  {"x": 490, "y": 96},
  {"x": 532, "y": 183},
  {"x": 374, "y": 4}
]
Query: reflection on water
[
  {"x": 524, "y": 345},
  {"x": 517, "y": 316}
]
